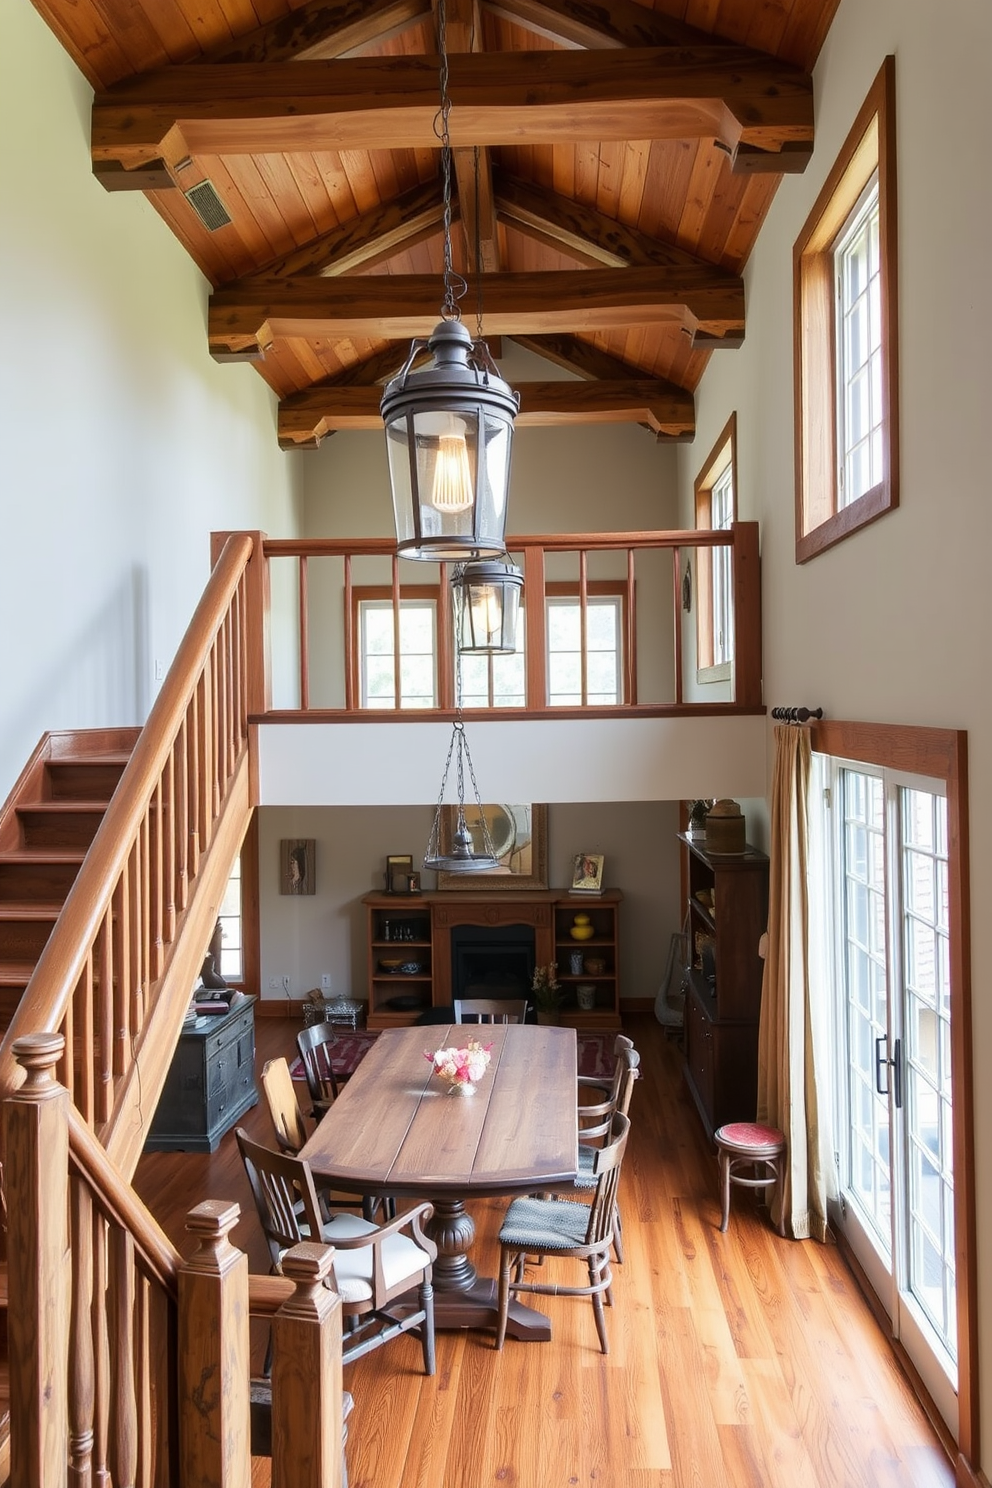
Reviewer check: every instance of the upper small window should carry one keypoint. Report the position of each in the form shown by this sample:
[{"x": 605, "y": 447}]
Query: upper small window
[
  {"x": 716, "y": 509},
  {"x": 415, "y": 683},
  {"x": 844, "y": 266}
]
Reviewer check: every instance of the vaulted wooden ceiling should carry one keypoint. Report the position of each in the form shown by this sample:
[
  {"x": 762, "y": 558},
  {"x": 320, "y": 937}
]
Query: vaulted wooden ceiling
[{"x": 612, "y": 166}]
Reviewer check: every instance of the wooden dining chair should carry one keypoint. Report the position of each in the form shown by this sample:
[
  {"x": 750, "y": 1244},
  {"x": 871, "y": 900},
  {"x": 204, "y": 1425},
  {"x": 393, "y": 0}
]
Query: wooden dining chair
[
  {"x": 314, "y": 1044},
  {"x": 288, "y": 1120},
  {"x": 596, "y": 1120},
  {"x": 557, "y": 1229},
  {"x": 490, "y": 1010},
  {"x": 374, "y": 1265}
]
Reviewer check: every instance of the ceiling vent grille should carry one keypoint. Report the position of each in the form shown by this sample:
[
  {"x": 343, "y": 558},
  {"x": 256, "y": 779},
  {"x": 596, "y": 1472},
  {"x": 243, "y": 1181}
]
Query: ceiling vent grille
[{"x": 207, "y": 205}]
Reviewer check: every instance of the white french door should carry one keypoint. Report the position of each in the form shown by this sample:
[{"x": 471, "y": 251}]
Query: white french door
[{"x": 886, "y": 874}]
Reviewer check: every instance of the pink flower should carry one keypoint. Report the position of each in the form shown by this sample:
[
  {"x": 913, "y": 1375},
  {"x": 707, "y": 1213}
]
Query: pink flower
[{"x": 461, "y": 1066}]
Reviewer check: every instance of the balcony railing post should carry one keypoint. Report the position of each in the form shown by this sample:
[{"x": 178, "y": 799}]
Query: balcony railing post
[
  {"x": 306, "y": 1375},
  {"x": 747, "y": 615},
  {"x": 37, "y": 1157},
  {"x": 213, "y": 1353},
  {"x": 257, "y": 619}
]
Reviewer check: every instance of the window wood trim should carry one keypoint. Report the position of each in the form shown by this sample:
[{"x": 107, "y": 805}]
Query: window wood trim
[
  {"x": 871, "y": 144},
  {"x": 941, "y": 754},
  {"x": 723, "y": 453}
]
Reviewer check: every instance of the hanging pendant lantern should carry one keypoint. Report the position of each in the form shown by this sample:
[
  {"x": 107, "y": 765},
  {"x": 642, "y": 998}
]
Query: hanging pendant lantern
[
  {"x": 449, "y": 424},
  {"x": 449, "y": 427},
  {"x": 461, "y": 857},
  {"x": 486, "y": 599}
]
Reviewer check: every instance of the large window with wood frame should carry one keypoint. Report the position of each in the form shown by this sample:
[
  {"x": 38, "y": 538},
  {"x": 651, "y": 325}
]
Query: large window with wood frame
[
  {"x": 716, "y": 510},
  {"x": 398, "y": 665},
  {"x": 890, "y": 975},
  {"x": 845, "y": 328}
]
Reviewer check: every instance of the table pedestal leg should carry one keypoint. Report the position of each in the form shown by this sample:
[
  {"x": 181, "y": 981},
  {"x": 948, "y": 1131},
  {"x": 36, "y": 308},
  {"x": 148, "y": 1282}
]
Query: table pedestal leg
[{"x": 462, "y": 1298}]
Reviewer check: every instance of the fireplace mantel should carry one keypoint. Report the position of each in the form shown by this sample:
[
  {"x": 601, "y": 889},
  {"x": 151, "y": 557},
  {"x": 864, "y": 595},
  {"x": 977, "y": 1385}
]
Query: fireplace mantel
[{"x": 549, "y": 912}]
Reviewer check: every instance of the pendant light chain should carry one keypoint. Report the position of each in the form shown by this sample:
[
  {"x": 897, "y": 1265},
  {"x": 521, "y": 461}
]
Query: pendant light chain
[{"x": 454, "y": 285}]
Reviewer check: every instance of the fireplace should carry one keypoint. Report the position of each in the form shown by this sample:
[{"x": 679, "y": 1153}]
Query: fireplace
[{"x": 492, "y": 960}]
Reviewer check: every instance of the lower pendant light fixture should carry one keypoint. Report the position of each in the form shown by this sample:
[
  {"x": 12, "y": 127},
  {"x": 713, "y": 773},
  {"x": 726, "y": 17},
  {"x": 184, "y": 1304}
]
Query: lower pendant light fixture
[
  {"x": 486, "y": 597},
  {"x": 461, "y": 857},
  {"x": 449, "y": 424}
]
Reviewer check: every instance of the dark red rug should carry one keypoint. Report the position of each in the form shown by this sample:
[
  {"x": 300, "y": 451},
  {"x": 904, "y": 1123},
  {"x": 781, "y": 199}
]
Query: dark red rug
[{"x": 595, "y": 1051}]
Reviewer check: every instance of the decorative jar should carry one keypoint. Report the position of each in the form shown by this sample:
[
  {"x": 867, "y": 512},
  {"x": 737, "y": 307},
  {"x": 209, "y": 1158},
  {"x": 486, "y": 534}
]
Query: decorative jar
[{"x": 581, "y": 928}]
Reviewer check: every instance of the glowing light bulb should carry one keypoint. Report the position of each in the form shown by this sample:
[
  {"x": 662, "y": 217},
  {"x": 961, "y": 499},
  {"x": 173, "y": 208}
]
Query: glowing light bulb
[
  {"x": 487, "y": 609},
  {"x": 452, "y": 490}
]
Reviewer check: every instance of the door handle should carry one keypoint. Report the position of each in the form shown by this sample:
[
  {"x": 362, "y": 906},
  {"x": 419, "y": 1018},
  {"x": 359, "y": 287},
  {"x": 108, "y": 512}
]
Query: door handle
[{"x": 882, "y": 1062}]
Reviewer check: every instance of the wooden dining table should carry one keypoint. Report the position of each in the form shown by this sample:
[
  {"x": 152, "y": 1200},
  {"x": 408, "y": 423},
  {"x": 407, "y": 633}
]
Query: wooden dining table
[{"x": 396, "y": 1129}]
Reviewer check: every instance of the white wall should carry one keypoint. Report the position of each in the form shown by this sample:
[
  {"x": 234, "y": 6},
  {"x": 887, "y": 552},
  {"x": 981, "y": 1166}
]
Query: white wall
[
  {"x": 894, "y": 624},
  {"x": 122, "y": 444}
]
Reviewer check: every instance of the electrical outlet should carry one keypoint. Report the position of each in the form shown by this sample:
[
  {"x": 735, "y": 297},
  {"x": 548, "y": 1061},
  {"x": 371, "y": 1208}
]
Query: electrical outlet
[
  {"x": 325, "y": 981},
  {"x": 285, "y": 985},
  {"x": 274, "y": 984}
]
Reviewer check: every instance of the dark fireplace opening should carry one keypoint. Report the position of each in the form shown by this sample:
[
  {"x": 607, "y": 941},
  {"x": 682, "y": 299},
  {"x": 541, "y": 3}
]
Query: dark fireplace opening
[{"x": 492, "y": 960}]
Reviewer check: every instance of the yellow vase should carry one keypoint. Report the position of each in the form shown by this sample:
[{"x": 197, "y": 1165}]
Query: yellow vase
[{"x": 581, "y": 928}]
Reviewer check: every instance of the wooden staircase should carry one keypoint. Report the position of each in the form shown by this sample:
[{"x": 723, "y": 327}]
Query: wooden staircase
[{"x": 46, "y": 827}]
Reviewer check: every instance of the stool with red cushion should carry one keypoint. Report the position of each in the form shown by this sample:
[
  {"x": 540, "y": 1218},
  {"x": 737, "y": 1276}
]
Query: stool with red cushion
[{"x": 749, "y": 1144}]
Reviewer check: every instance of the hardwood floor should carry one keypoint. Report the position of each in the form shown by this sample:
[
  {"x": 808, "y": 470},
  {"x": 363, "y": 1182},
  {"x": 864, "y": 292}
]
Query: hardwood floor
[{"x": 736, "y": 1361}]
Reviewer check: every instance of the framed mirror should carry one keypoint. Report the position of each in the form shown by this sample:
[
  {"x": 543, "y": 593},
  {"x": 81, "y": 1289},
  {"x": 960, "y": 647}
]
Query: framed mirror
[{"x": 520, "y": 841}]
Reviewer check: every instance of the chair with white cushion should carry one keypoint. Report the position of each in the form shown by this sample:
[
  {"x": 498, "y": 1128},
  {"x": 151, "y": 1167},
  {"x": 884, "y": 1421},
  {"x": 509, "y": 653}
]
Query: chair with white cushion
[{"x": 374, "y": 1265}]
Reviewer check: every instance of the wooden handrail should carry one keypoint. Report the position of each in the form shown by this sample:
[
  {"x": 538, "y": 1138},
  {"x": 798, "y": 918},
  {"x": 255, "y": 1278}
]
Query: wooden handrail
[
  {"x": 119, "y": 1203},
  {"x": 93, "y": 898}
]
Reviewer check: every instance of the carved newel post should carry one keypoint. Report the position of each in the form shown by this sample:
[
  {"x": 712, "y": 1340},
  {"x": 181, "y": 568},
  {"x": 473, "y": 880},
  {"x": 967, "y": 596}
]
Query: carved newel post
[
  {"x": 37, "y": 1144},
  {"x": 306, "y": 1375},
  {"x": 213, "y": 1353}
]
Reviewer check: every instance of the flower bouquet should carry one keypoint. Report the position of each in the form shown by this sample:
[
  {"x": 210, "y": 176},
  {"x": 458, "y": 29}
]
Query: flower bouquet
[{"x": 461, "y": 1068}]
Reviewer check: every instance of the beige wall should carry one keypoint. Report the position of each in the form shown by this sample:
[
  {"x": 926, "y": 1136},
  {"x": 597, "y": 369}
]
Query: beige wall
[
  {"x": 894, "y": 624},
  {"x": 303, "y": 937}
]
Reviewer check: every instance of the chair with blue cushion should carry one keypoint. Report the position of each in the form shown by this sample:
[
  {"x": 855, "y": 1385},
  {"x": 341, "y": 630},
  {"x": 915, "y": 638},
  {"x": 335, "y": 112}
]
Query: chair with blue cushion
[{"x": 560, "y": 1229}]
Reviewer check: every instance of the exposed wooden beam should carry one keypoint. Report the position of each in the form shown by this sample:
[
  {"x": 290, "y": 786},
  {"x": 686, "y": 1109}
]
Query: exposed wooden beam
[
  {"x": 305, "y": 418},
  {"x": 472, "y": 165},
  {"x": 621, "y": 23},
  {"x": 566, "y": 223},
  {"x": 366, "y": 240},
  {"x": 730, "y": 94},
  {"x": 402, "y": 306},
  {"x": 320, "y": 30}
]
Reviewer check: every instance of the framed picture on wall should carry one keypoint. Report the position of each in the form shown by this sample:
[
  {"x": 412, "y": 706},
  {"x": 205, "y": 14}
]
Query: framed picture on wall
[
  {"x": 298, "y": 865},
  {"x": 519, "y": 835}
]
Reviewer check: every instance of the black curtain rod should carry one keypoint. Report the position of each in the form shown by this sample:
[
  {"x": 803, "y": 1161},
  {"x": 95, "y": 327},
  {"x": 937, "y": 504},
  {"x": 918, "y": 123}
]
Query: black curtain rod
[{"x": 796, "y": 715}]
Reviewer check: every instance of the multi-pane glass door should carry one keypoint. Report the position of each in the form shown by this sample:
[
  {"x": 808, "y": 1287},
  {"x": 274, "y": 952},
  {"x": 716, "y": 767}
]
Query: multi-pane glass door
[{"x": 893, "y": 1130}]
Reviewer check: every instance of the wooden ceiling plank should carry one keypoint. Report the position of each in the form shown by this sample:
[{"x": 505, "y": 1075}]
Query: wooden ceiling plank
[
  {"x": 405, "y": 306},
  {"x": 321, "y": 30},
  {"x": 730, "y": 94},
  {"x": 620, "y": 24},
  {"x": 586, "y": 231},
  {"x": 367, "y": 239},
  {"x": 304, "y": 418}
]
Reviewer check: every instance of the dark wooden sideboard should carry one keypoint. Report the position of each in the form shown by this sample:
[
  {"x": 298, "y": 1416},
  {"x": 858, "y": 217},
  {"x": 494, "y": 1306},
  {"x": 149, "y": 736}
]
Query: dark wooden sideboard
[
  {"x": 418, "y": 927},
  {"x": 210, "y": 1084}
]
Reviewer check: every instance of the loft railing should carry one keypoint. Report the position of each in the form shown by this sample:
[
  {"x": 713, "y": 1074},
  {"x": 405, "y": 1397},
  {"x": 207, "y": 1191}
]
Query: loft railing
[
  {"x": 129, "y": 1365},
  {"x": 114, "y": 977},
  {"x": 316, "y": 584}
]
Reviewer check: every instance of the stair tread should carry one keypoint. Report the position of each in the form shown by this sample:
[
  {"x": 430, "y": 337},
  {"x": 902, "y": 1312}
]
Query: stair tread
[
  {"x": 60, "y": 808},
  {"x": 30, "y": 909},
  {"x": 119, "y": 757},
  {"x": 42, "y": 855},
  {"x": 16, "y": 973}
]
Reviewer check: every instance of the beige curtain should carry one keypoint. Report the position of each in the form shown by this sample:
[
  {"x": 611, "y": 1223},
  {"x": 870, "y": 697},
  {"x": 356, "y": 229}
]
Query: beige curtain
[{"x": 786, "y": 1047}]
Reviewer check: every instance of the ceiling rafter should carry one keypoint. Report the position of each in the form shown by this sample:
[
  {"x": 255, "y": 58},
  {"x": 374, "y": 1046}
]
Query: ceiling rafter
[
  {"x": 243, "y": 318},
  {"x": 305, "y": 418},
  {"x": 319, "y": 31},
  {"x": 622, "y": 23},
  {"x": 744, "y": 100},
  {"x": 568, "y": 224}
]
